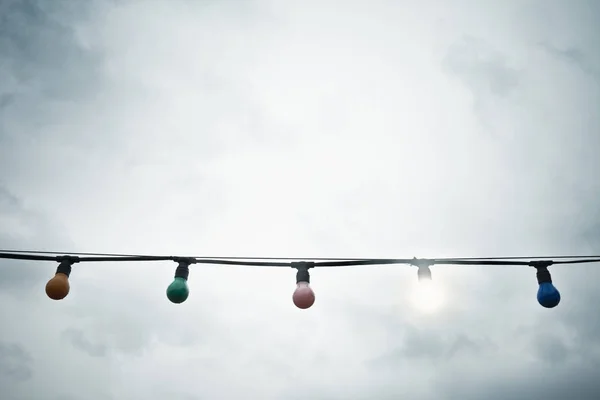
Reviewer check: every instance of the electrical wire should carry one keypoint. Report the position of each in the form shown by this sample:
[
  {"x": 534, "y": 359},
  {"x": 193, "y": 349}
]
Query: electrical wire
[
  {"x": 196, "y": 257},
  {"x": 574, "y": 257},
  {"x": 77, "y": 257}
]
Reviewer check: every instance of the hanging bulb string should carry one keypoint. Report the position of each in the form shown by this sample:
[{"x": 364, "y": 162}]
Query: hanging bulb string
[{"x": 58, "y": 287}]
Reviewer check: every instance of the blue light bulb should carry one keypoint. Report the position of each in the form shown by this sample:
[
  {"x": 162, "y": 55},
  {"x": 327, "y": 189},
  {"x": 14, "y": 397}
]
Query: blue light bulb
[{"x": 548, "y": 296}]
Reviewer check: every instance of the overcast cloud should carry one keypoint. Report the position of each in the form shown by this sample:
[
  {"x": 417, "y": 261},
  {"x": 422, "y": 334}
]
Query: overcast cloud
[{"x": 314, "y": 128}]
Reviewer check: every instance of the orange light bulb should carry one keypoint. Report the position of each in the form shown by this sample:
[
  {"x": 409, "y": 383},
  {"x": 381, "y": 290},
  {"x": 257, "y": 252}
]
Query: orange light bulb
[{"x": 58, "y": 287}]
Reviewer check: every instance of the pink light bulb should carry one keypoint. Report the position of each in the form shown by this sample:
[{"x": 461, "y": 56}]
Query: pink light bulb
[{"x": 303, "y": 297}]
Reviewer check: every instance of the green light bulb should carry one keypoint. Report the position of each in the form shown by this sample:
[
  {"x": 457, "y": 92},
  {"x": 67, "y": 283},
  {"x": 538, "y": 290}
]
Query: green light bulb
[{"x": 178, "y": 291}]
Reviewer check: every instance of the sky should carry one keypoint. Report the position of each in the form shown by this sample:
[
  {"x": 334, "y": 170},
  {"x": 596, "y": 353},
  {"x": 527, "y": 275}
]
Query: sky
[{"x": 302, "y": 129}]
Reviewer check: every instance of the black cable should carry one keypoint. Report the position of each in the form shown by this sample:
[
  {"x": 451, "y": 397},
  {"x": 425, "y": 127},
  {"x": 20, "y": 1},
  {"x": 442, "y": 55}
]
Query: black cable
[
  {"x": 578, "y": 261},
  {"x": 121, "y": 255},
  {"x": 196, "y": 257},
  {"x": 353, "y": 263},
  {"x": 72, "y": 253},
  {"x": 506, "y": 261},
  {"x": 36, "y": 257},
  {"x": 31, "y": 257}
]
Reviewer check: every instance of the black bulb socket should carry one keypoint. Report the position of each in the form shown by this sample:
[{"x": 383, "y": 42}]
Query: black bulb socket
[
  {"x": 183, "y": 270},
  {"x": 543, "y": 275},
  {"x": 64, "y": 267},
  {"x": 302, "y": 274}
]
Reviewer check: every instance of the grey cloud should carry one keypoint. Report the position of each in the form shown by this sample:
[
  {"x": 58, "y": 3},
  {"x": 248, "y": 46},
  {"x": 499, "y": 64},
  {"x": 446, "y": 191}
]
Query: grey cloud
[
  {"x": 103, "y": 324},
  {"x": 572, "y": 55},
  {"x": 8, "y": 201},
  {"x": 466, "y": 344},
  {"x": 78, "y": 340},
  {"x": 422, "y": 344},
  {"x": 121, "y": 333},
  {"x": 15, "y": 363},
  {"x": 556, "y": 383},
  {"x": 551, "y": 348},
  {"x": 38, "y": 44},
  {"x": 581, "y": 317},
  {"x": 22, "y": 227},
  {"x": 485, "y": 73},
  {"x": 6, "y": 99},
  {"x": 481, "y": 68}
]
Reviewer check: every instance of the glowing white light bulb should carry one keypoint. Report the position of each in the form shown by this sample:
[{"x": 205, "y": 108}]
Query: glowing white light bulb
[{"x": 427, "y": 296}]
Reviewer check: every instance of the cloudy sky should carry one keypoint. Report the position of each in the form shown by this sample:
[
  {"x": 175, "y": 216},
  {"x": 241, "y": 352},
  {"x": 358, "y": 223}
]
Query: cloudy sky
[{"x": 302, "y": 129}]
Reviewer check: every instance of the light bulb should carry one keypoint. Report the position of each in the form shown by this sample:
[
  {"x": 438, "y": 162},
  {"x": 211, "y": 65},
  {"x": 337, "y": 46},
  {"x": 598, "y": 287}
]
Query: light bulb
[
  {"x": 58, "y": 287},
  {"x": 304, "y": 296},
  {"x": 548, "y": 296},
  {"x": 427, "y": 296},
  {"x": 178, "y": 291}
]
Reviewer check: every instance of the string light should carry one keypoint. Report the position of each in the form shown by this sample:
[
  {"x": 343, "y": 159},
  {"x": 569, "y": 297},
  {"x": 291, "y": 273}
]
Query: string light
[
  {"x": 303, "y": 297},
  {"x": 178, "y": 291},
  {"x": 548, "y": 296},
  {"x": 427, "y": 296},
  {"x": 58, "y": 287}
]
